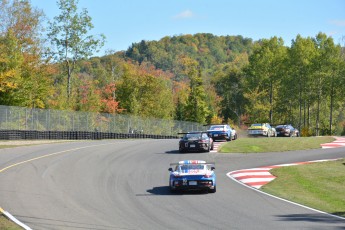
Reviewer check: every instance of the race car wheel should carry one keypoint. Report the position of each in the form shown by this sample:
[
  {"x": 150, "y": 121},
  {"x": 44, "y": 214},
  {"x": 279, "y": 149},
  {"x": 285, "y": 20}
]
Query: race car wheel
[
  {"x": 213, "y": 190},
  {"x": 235, "y": 137}
]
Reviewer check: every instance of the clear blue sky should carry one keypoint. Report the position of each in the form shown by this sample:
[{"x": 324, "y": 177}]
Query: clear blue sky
[{"x": 124, "y": 22}]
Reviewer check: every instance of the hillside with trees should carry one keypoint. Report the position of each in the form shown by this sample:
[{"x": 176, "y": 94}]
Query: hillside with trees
[{"x": 202, "y": 77}]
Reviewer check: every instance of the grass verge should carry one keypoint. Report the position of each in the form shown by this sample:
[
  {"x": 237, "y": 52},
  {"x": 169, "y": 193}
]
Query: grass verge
[
  {"x": 276, "y": 144},
  {"x": 7, "y": 146},
  {"x": 6, "y": 224},
  {"x": 318, "y": 185}
]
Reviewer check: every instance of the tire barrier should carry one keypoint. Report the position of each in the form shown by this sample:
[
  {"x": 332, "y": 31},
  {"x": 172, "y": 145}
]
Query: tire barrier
[{"x": 74, "y": 135}]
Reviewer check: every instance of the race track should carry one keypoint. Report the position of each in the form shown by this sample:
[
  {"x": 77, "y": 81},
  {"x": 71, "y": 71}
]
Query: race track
[{"x": 122, "y": 184}]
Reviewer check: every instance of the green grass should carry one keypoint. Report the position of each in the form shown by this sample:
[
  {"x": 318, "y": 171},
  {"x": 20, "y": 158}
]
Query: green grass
[
  {"x": 6, "y": 224},
  {"x": 318, "y": 185},
  {"x": 7, "y": 146},
  {"x": 273, "y": 144}
]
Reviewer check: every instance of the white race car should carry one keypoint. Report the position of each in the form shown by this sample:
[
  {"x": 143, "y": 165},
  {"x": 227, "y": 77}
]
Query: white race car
[{"x": 192, "y": 175}]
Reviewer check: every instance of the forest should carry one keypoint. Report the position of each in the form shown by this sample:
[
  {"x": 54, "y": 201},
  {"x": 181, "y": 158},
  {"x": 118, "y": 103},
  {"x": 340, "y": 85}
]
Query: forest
[{"x": 201, "y": 77}]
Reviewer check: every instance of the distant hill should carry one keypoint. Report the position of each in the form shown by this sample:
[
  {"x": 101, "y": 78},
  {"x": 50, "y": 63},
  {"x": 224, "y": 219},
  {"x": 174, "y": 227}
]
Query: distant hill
[{"x": 209, "y": 50}]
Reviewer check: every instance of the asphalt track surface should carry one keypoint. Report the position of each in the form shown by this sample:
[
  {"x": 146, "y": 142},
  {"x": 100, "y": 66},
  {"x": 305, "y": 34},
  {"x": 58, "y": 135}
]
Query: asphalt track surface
[{"x": 122, "y": 184}]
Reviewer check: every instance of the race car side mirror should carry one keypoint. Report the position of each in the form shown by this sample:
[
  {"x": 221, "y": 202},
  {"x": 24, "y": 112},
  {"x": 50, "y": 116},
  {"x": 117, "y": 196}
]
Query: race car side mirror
[
  {"x": 170, "y": 169},
  {"x": 213, "y": 168}
]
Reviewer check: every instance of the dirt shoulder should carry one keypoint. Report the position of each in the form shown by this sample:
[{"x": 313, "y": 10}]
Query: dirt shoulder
[{"x": 29, "y": 142}]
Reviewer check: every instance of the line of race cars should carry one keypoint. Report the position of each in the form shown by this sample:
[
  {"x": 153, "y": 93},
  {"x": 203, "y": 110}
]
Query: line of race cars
[
  {"x": 200, "y": 175},
  {"x": 204, "y": 140},
  {"x": 265, "y": 129}
]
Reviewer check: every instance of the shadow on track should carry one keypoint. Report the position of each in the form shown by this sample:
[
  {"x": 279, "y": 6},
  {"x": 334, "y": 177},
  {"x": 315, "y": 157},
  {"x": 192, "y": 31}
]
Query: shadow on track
[
  {"x": 165, "y": 190},
  {"x": 178, "y": 152},
  {"x": 311, "y": 218},
  {"x": 173, "y": 152}
]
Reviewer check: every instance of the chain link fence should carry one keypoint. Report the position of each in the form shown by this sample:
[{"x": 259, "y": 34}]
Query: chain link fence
[{"x": 27, "y": 119}]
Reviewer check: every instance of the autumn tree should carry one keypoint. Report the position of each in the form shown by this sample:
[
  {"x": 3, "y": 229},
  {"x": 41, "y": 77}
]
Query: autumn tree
[
  {"x": 196, "y": 109},
  {"x": 11, "y": 59},
  {"x": 68, "y": 33},
  {"x": 264, "y": 72},
  {"x": 229, "y": 85},
  {"x": 326, "y": 65},
  {"x": 144, "y": 91},
  {"x": 298, "y": 82},
  {"x": 22, "y": 59}
]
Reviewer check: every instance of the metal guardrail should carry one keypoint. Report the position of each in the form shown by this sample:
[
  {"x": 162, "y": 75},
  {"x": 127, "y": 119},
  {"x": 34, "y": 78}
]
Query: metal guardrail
[{"x": 48, "y": 123}]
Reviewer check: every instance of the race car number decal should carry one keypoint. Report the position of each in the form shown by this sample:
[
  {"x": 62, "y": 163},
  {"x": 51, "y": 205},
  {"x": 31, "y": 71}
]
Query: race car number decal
[{"x": 193, "y": 183}]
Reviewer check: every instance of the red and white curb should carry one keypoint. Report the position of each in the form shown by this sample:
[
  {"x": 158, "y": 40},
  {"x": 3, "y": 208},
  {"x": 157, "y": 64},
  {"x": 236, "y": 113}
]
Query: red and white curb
[
  {"x": 216, "y": 146},
  {"x": 9, "y": 216},
  {"x": 257, "y": 177},
  {"x": 339, "y": 142}
]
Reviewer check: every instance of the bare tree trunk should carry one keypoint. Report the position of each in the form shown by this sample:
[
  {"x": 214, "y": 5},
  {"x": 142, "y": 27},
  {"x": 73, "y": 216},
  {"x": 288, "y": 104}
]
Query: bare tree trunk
[
  {"x": 300, "y": 104},
  {"x": 318, "y": 108},
  {"x": 331, "y": 110},
  {"x": 271, "y": 101},
  {"x": 308, "y": 121},
  {"x": 69, "y": 73}
]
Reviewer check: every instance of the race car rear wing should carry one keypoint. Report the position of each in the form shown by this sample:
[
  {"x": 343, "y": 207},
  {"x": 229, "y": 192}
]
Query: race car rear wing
[
  {"x": 212, "y": 164},
  {"x": 193, "y": 132},
  {"x": 193, "y": 162}
]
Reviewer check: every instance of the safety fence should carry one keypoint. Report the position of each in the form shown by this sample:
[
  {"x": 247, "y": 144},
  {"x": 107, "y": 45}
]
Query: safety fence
[
  {"x": 73, "y": 135},
  {"x": 27, "y": 123}
]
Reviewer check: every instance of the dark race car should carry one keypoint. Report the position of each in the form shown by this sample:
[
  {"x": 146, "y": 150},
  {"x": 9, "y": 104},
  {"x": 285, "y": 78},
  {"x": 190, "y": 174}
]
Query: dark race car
[
  {"x": 192, "y": 175},
  {"x": 195, "y": 142},
  {"x": 287, "y": 131}
]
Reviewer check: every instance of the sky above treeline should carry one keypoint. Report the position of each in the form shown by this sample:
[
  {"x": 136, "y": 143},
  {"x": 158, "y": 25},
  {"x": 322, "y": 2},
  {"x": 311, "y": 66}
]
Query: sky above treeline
[{"x": 127, "y": 22}]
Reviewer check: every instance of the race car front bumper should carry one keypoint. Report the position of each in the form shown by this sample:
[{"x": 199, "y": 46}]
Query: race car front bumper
[{"x": 192, "y": 184}]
